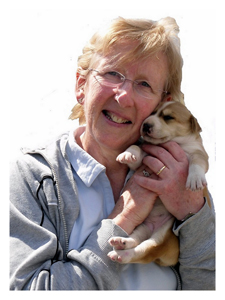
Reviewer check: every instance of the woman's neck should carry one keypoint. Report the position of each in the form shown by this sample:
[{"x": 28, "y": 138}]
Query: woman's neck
[{"x": 115, "y": 171}]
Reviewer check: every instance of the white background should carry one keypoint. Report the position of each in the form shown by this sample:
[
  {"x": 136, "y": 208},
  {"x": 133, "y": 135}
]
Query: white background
[{"x": 47, "y": 36}]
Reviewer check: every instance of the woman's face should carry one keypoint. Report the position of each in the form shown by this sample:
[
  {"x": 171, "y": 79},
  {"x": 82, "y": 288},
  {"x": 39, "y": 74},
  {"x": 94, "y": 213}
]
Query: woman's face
[{"x": 114, "y": 115}]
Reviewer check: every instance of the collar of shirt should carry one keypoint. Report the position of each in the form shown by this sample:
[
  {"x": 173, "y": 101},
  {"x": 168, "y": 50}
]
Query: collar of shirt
[{"x": 86, "y": 167}]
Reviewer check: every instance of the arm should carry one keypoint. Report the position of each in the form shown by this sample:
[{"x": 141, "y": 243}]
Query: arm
[
  {"x": 197, "y": 234},
  {"x": 133, "y": 206},
  {"x": 197, "y": 250},
  {"x": 38, "y": 260}
]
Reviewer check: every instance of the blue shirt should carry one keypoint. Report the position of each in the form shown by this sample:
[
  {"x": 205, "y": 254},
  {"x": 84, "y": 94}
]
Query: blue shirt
[{"x": 96, "y": 203}]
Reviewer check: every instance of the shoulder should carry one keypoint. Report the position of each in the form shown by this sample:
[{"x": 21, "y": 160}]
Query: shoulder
[{"x": 38, "y": 163}]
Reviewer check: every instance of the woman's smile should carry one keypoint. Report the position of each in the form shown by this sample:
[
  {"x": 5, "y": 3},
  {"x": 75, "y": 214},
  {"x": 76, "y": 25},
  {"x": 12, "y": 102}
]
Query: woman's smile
[{"x": 115, "y": 118}]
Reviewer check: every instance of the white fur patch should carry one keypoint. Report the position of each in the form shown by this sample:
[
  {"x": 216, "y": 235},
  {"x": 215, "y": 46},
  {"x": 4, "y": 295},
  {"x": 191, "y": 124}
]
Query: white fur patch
[
  {"x": 132, "y": 157},
  {"x": 196, "y": 178}
]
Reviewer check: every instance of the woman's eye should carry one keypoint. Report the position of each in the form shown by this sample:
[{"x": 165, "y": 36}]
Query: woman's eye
[
  {"x": 113, "y": 73},
  {"x": 144, "y": 84},
  {"x": 113, "y": 77}
]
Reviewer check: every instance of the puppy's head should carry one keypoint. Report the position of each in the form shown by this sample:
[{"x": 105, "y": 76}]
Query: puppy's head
[{"x": 169, "y": 120}]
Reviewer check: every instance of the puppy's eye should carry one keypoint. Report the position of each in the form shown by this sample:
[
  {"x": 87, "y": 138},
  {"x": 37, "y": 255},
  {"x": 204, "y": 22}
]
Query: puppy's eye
[{"x": 168, "y": 118}]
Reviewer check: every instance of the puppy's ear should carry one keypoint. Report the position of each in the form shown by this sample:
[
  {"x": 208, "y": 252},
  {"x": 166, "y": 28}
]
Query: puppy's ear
[{"x": 195, "y": 127}]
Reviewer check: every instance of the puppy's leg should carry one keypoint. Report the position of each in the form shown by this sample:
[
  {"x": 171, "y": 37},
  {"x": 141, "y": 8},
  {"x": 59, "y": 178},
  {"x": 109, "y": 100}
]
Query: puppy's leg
[
  {"x": 133, "y": 255},
  {"x": 163, "y": 252},
  {"x": 162, "y": 247},
  {"x": 196, "y": 178},
  {"x": 167, "y": 253},
  {"x": 141, "y": 233},
  {"x": 132, "y": 157},
  {"x": 198, "y": 166}
]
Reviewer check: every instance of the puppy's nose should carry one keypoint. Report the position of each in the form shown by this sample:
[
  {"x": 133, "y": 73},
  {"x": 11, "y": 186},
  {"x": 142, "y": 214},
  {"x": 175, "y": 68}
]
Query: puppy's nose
[{"x": 147, "y": 128}]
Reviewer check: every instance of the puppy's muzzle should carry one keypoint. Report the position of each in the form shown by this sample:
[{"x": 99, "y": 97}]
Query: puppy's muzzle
[{"x": 147, "y": 128}]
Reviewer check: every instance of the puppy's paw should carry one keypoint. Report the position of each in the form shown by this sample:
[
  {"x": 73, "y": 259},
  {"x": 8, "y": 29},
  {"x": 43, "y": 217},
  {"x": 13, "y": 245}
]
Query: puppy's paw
[
  {"x": 196, "y": 178},
  {"x": 126, "y": 158},
  {"x": 121, "y": 256},
  {"x": 120, "y": 243},
  {"x": 132, "y": 157},
  {"x": 114, "y": 256}
]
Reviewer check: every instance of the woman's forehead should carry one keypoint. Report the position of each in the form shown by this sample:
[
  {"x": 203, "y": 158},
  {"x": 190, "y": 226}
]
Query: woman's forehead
[{"x": 115, "y": 60}]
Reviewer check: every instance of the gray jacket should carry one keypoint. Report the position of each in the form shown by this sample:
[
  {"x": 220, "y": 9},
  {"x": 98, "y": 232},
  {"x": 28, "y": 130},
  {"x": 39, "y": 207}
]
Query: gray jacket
[{"x": 44, "y": 207}]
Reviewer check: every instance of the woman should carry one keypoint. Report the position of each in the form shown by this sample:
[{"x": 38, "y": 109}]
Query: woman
[{"x": 69, "y": 198}]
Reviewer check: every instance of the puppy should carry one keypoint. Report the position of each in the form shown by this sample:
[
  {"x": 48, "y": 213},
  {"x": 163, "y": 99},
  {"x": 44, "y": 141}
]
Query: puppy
[{"x": 171, "y": 121}]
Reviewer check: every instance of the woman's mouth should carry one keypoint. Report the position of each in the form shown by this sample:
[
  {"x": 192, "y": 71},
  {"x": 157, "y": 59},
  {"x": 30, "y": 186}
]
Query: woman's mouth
[{"x": 115, "y": 119}]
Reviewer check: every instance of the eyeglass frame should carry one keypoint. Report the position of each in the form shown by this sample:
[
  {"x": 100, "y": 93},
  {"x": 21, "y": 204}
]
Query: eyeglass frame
[{"x": 123, "y": 78}]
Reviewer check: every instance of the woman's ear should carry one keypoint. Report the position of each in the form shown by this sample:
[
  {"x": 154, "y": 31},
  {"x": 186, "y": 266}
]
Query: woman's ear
[
  {"x": 167, "y": 98},
  {"x": 79, "y": 88}
]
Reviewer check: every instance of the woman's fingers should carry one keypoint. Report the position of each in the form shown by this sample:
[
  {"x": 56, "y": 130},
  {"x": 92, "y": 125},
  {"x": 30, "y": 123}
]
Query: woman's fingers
[
  {"x": 156, "y": 166},
  {"x": 167, "y": 160},
  {"x": 151, "y": 182},
  {"x": 176, "y": 151},
  {"x": 167, "y": 153}
]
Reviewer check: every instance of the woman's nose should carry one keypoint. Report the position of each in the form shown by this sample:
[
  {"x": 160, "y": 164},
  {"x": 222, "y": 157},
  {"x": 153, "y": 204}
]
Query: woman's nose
[{"x": 124, "y": 94}]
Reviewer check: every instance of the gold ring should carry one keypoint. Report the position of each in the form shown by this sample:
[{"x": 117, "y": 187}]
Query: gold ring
[{"x": 160, "y": 171}]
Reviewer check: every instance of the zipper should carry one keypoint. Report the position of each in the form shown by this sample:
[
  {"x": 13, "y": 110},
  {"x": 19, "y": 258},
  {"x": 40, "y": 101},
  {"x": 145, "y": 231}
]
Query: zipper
[
  {"x": 59, "y": 199},
  {"x": 61, "y": 212},
  {"x": 179, "y": 286}
]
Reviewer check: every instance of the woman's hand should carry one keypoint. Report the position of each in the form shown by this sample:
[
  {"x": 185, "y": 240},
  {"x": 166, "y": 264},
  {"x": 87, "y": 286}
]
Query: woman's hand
[
  {"x": 170, "y": 184},
  {"x": 134, "y": 205}
]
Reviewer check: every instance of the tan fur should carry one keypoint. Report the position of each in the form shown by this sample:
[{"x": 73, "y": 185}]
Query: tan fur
[
  {"x": 170, "y": 121},
  {"x": 164, "y": 252}
]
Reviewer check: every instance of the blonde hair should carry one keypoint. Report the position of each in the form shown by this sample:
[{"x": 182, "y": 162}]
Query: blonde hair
[{"x": 151, "y": 37}]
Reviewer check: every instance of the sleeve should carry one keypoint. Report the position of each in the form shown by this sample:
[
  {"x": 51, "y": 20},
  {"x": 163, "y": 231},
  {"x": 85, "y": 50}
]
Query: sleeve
[
  {"x": 197, "y": 250},
  {"x": 37, "y": 261}
]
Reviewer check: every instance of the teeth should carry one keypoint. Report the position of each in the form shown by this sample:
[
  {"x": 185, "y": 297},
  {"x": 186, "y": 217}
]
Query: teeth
[{"x": 116, "y": 119}]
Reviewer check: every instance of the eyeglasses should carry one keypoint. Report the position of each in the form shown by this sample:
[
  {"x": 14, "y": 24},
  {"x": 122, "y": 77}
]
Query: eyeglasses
[{"x": 116, "y": 79}]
